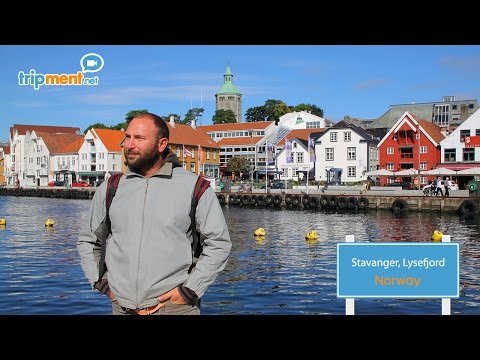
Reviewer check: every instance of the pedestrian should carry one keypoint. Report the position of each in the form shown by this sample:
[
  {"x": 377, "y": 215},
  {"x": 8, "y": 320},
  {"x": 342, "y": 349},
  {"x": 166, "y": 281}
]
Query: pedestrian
[
  {"x": 148, "y": 254},
  {"x": 439, "y": 187},
  {"x": 447, "y": 187}
]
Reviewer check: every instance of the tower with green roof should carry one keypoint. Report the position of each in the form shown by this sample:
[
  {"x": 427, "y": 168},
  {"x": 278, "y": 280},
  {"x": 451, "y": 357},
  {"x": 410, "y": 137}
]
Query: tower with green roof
[{"x": 229, "y": 97}]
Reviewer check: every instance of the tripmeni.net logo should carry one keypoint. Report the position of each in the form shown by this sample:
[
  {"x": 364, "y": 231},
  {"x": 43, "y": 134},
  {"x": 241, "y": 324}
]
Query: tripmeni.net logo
[{"x": 90, "y": 63}]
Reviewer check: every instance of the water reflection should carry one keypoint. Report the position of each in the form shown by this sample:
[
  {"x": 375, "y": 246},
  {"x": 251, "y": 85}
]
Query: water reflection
[{"x": 280, "y": 273}]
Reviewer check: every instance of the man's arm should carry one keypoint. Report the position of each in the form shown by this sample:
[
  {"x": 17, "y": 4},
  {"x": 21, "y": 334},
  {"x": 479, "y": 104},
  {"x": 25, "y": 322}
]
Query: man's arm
[
  {"x": 217, "y": 244},
  {"x": 87, "y": 245}
]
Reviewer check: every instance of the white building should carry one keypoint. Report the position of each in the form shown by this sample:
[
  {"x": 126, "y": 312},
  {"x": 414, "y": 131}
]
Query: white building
[
  {"x": 299, "y": 164},
  {"x": 344, "y": 153},
  {"x": 302, "y": 120},
  {"x": 100, "y": 155},
  {"x": 18, "y": 150},
  {"x": 463, "y": 144}
]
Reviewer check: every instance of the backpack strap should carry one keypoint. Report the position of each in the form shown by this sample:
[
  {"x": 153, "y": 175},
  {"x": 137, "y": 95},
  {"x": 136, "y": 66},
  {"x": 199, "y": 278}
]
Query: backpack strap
[
  {"x": 201, "y": 185},
  {"x": 112, "y": 185}
]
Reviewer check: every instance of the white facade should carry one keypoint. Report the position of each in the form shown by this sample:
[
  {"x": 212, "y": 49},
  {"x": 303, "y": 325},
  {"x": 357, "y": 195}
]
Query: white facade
[
  {"x": 344, "y": 148},
  {"x": 301, "y": 164},
  {"x": 7, "y": 166},
  {"x": 37, "y": 160},
  {"x": 94, "y": 159},
  {"x": 302, "y": 120},
  {"x": 17, "y": 148},
  {"x": 453, "y": 146}
]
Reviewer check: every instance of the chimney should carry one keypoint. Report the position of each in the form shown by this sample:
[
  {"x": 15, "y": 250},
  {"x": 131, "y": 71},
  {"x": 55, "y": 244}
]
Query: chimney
[
  {"x": 193, "y": 124},
  {"x": 172, "y": 120}
]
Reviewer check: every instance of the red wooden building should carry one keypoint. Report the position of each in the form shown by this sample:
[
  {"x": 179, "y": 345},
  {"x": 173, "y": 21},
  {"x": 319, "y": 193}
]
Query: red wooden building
[{"x": 411, "y": 143}]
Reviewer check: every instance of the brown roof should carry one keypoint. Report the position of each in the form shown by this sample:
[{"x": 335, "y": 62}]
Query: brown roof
[
  {"x": 74, "y": 146},
  {"x": 111, "y": 138},
  {"x": 56, "y": 142},
  {"x": 432, "y": 129},
  {"x": 236, "y": 126},
  {"x": 186, "y": 135},
  {"x": 240, "y": 141},
  {"x": 22, "y": 129}
]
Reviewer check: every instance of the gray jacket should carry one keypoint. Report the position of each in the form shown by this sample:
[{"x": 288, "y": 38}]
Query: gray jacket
[{"x": 149, "y": 252}]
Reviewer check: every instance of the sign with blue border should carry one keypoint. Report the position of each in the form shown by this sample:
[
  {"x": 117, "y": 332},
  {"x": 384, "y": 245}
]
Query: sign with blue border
[{"x": 366, "y": 270}]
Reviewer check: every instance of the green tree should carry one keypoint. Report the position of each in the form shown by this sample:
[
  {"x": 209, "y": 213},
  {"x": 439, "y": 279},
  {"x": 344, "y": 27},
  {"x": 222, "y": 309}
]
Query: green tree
[
  {"x": 176, "y": 118},
  {"x": 314, "y": 109},
  {"x": 131, "y": 114},
  {"x": 224, "y": 117},
  {"x": 96, "y": 126},
  {"x": 120, "y": 126},
  {"x": 256, "y": 113},
  {"x": 193, "y": 113},
  {"x": 238, "y": 164}
]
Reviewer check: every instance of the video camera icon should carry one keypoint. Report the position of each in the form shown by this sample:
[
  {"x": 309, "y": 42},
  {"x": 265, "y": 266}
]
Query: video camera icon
[{"x": 91, "y": 62}]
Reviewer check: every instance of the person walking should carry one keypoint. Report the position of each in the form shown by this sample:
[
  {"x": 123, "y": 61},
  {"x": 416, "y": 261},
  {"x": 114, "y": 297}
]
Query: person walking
[
  {"x": 439, "y": 187},
  {"x": 148, "y": 254},
  {"x": 447, "y": 187}
]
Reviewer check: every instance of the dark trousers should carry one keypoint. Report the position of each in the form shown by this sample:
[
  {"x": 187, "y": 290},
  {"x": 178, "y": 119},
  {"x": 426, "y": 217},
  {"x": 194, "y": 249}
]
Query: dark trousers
[{"x": 439, "y": 190}]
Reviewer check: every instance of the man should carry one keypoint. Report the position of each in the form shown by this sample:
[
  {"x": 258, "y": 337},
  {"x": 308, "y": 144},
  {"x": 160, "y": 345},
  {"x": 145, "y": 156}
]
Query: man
[
  {"x": 149, "y": 253},
  {"x": 438, "y": 185}
]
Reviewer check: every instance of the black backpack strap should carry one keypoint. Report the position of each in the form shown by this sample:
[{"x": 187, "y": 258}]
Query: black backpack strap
[
  {"x": 111, "y": 189},
  {"x": 201, "y": 185}
]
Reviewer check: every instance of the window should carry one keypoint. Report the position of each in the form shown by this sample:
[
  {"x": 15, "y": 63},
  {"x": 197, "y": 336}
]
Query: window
[
  {"x": 351, "y": 153},
  {"x": 423, "y": 149},
  {"x": 450, "y": 155},
  {"x": 214, "y": 155},
  {"x": 329, "y": 154},
  {"x": 464, "y": 134},
  {"x": 351, "y": 171},
  {"x": 454, "y": 107},
  {"x": 208, "y": 155},
  {"x": 423, "y": 166},
  {"x": 477, "y": 132},
  {"x": 178, "y": 151},
  {"x": 299, "y": 157},
  {"x": 469, "y": 154},
  {"x": 347, "y": 136},
  {"x": 440, "y": 114},
  {"x": 192, "y": 167},
  {"x": 390, "y": 166},
  {"x": 313, "y": 125},
  {"x": 333, "y": 136},
  {"x": 390, "y": 150}
]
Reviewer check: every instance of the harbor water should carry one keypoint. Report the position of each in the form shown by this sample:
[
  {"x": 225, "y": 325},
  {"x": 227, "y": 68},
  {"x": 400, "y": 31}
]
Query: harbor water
[{"x": 40, "y": 273}]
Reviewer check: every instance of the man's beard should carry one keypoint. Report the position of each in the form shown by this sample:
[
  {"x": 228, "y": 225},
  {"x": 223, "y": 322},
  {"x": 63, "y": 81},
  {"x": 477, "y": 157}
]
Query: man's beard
[{"x": 144, "y": 162}]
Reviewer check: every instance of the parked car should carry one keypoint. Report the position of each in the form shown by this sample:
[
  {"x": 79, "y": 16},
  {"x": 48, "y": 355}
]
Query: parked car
[
  {"x": 80, "y": 184},
  {"x": 274, "y": 185},
  {"x": 56, "y": 183},
  {"x": 452, "y": 185}
]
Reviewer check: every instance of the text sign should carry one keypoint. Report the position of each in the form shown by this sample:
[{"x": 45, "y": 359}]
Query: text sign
[{"x": 397, "y": 270}]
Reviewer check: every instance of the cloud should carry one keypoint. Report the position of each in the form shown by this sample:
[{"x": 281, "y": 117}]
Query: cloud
[
  {"x": 370, "y": 83},
  {"x": 469, "y": 64},
  {"x": 425, "y": 86}
]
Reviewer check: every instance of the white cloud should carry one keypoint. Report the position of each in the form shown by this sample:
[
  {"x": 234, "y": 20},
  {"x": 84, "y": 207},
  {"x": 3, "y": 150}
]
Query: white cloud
[{"x": 370, "y": 83}]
